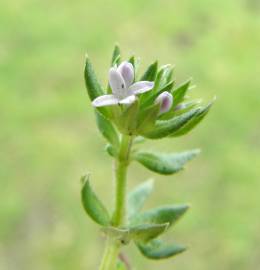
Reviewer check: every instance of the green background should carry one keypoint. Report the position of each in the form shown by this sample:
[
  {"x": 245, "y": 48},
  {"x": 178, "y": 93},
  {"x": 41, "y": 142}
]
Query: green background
[{"x": 49, "y": 138}]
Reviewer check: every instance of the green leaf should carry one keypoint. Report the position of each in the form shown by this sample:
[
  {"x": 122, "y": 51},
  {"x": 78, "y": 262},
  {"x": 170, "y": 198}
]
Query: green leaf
[
  {"x": 180, "y": 92},
  {"x": 119, "y": 234},
  {"x": 135, "y": 62},
  {"x": 112, "y": 151},
  {"x": 150, "y": 73},
  {"x": 194, "y": 121},
  {"x": 167, "y": 87},
  {"x": 92, "y": 205},
  {"x": 148, "y": 97},
  {"x": 187, "y": 106},
  {"x": 165, "y": 163},
  {"x": 94, "y": 88},
  {"x": 151, "y": 99},
  {"x": 160, "y": 215},
  {"x": 128, "y": 119},
  {"x": 137, "y": 197},
  {"x": 156, "y": 250},
  {"x": 147, "y": 117},
  {"x": 167, "y": 74},
  {"x": 138, "y": 233},
  {"x": 159, "y": 82},
  {"x": 147, "y": 232},
  {"x": 115, "y": 56},
  {"x": 180, "y": 109},
  {"x": 161, "y": 77},
  {"x": 107, "y": 129},
  {"x": 165, "y": 128}
]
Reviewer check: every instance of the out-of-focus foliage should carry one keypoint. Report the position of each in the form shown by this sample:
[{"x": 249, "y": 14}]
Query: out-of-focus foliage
[{"x": 48, "y": 132}]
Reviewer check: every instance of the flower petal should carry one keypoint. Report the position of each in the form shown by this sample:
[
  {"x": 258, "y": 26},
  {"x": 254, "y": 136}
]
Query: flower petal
[
  {"x": 117, "y": 83},
  {"x": 126, "y": 69},
  {"x": 105, "y": 100},
  {"x": 166, "y": 99},
  {"x": 128, "y": 100},
  {"x": 141, "y": 87}
]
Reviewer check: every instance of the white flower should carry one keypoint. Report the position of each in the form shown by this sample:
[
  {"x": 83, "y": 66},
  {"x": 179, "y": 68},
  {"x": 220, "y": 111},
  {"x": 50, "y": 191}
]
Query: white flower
[
  {"x": 124, "y": 91},
  {"x": 166, "y": 100}
]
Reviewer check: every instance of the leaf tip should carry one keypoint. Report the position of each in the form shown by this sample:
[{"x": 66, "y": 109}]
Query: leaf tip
[
  {"x": 184, "y": 208},
  {"x": 84, "y": 179},
  {"x": 188, "y": 206}
]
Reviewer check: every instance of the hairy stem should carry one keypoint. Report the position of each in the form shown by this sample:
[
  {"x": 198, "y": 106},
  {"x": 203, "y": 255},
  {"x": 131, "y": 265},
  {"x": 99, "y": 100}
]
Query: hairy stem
[{"x": 121, "y": 163}]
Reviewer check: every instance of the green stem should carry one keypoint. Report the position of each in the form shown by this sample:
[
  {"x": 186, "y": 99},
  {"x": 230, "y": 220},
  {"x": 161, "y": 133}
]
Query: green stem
[
  {"x": 110, "y": 256},
  {"x": 121, "y": 163}
]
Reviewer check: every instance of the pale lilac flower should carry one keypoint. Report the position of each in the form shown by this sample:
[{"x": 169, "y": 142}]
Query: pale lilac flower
[
  {"x": 165, "y": 99},
  {"x": 124, "y": 91}
]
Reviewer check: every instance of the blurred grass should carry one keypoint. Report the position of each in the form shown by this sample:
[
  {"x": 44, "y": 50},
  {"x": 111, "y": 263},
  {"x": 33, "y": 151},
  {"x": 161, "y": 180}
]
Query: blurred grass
[{"x": 48, "y": 135}]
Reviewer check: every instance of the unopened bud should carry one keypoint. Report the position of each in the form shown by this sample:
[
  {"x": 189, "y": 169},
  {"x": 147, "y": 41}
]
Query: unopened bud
[{"x": 165, "y": 99}]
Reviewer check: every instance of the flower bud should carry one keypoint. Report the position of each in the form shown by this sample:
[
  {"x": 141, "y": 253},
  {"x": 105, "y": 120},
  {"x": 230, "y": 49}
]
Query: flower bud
[{"x": 165, "y": 99}]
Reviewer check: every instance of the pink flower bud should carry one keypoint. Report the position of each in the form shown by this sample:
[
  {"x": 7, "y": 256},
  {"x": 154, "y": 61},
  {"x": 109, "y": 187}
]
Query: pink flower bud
[{"x": 165, "y": 99}]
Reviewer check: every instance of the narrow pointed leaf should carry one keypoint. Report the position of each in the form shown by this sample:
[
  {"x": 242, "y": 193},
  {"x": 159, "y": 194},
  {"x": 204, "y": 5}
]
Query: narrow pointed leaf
[
  {"x": 92, "y": 205},
  {"x": 164, "y": 214},
  {"x": 165, "y": 163},
  {"x": 150, "y": 73},
  {"x": 181, "y": 109},
  {"x": 119, "y": 234},
  {"x": 147, "y": 117},
  {"x": 147, "y": 232},
  {"x": 140, "y": 233},
  {"x": 180, "y": 92},
  {"x": 137, "y": 197},
  {"x": 107, "y": 129},
  {"x": 151, "y": 99},
  {"x": 115, "y": 56},
  {"x": 93, "y": 87},
  {"x": 169, "y": 75},
  {"x": 160, "y": 78},
  {"x": 193, "y": 122},
  {"x": 167, "y": 87},
  {"x": 135, "y": 62},
  {"x": 156, "y": 250},
  {"x": 167, "y": 72},
  {"x": 165, "y": 128},
  {"x": 187, "y": 106},
  {"x": 128, "y": 120},
  {"x": 112, "y": 151},
  {"x": 148, "y": 98}
]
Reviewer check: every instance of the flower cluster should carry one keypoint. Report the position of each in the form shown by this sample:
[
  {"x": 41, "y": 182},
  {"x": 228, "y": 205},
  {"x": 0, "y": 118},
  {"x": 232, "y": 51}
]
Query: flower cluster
[{"x": 124, "y": 90}]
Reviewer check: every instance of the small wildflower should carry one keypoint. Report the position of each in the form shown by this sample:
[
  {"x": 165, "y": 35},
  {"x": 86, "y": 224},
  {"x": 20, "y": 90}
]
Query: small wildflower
[{"x": 124, "y": 91}]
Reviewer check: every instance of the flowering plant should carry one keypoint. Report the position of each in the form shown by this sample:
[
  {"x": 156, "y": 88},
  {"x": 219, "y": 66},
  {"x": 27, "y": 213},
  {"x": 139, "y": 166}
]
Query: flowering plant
[{"x": 127, "y": 113}]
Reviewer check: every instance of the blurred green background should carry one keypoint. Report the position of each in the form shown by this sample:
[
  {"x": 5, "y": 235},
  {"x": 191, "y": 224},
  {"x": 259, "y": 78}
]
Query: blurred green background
[{"x": 49, "y": 138}]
